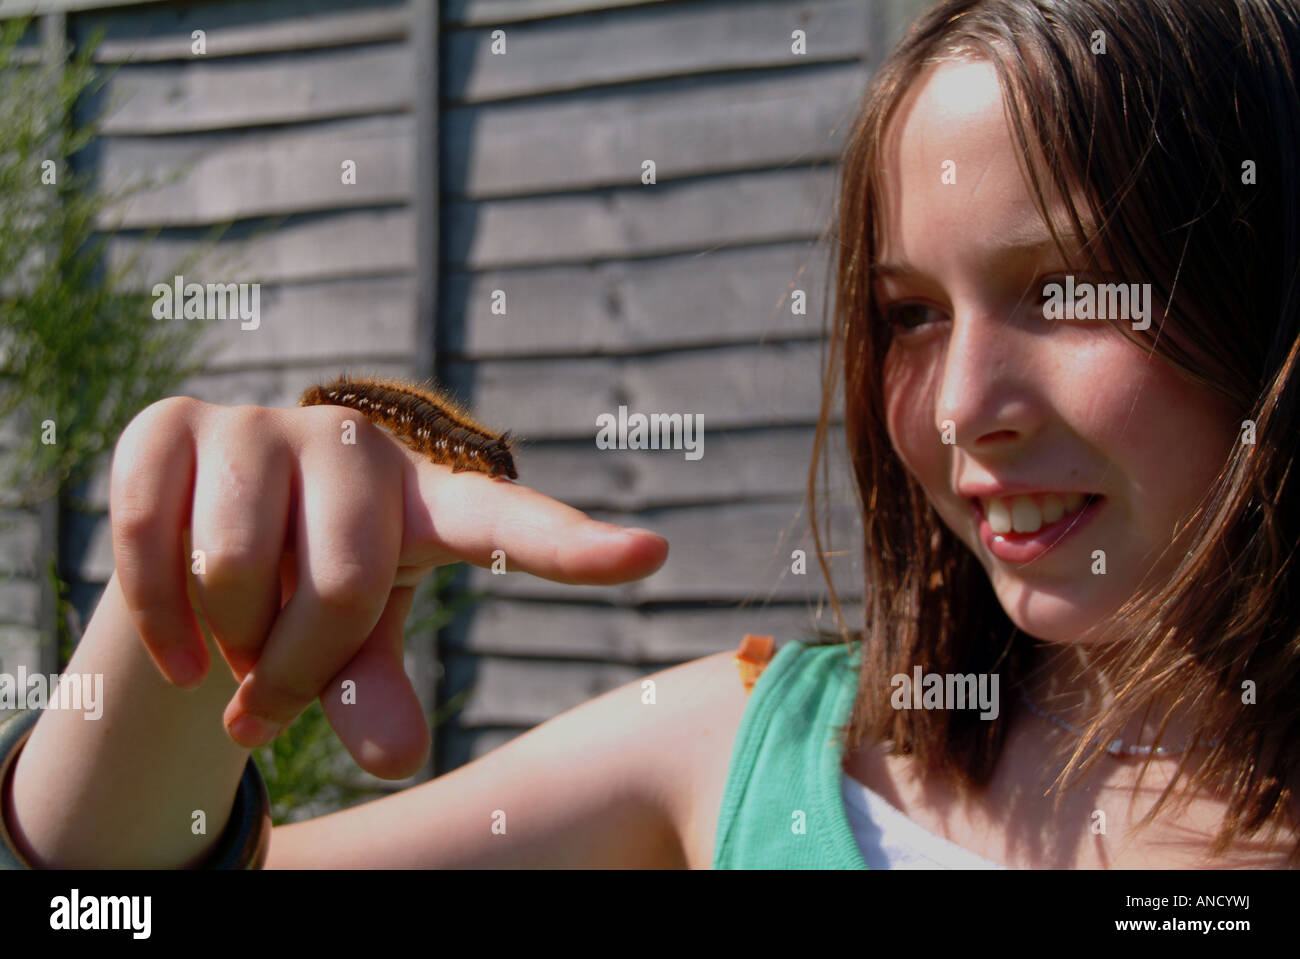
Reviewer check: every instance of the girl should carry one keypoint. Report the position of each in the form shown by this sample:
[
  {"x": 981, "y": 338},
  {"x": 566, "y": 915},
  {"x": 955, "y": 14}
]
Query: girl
[{"x": 1086, "y": 514}]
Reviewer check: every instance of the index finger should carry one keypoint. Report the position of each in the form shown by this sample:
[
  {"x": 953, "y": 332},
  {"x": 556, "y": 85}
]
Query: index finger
[
  {"x": 469, "y": 515},
  {"x": 149, "y": 505}
]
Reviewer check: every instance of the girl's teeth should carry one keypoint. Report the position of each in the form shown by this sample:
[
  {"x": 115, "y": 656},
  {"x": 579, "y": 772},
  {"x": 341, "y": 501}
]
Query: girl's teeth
[
  {"x": 999, "y": 516},
  {"x": 1024, "y": 515}
]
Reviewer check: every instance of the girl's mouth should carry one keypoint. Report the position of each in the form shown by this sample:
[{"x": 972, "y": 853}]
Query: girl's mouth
[{"x": 1018, "y": 529}]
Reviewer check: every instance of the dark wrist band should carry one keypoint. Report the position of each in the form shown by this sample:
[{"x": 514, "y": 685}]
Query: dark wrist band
[{"x": 243, "y": 844}]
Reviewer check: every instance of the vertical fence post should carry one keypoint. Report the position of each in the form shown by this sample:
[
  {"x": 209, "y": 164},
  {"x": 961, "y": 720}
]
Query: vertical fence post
[{"x": 423, "y": 37}]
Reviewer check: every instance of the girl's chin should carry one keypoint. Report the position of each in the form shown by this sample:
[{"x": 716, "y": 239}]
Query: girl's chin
[{"x": 1065, "y": 615}]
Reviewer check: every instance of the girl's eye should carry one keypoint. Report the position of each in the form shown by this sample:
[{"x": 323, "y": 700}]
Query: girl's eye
[
  {"x": 1041, "y": 297},
  {"x": 910, "y": 316}
]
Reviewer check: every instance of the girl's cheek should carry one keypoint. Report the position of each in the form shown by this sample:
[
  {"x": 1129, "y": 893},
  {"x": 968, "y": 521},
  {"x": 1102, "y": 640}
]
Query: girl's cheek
[
  {"x": 1162, "y": 438},
  {"x": 1177, "y": 434},
  {"x": 909, "y": 385}
]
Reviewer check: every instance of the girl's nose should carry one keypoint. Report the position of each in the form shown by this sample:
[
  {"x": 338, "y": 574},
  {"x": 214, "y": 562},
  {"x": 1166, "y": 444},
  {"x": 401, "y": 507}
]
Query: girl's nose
[{"x": 986, "y": 396}]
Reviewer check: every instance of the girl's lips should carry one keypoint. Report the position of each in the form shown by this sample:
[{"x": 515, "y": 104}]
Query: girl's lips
[{"x": 1022, "y": 547}]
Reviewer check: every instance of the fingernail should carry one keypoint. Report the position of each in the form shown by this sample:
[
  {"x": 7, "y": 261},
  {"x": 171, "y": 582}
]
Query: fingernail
[
  {"x": 637, "y": 531},
  {"x": 183, "y": 668},
  {"x": 252, "y": 732}
]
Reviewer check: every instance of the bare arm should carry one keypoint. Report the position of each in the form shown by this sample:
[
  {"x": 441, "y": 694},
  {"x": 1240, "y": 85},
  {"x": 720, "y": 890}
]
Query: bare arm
[
  {"x": 122, "y": 789},
  {"x": 614, "y": 783}
]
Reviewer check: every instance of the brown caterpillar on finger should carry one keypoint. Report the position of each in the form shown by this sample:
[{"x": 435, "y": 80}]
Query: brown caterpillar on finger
[{"x": 424, "y": 419}]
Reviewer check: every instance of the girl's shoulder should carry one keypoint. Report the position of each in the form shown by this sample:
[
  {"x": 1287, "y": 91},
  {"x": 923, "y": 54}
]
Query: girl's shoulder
[
  {"x": 704, "y": 736},
  {"x": 709, "y": 696}
]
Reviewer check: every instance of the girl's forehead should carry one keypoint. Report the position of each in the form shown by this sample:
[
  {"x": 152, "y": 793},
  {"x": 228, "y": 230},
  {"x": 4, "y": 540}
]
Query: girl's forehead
[
  {"x": 952, "y": 173},
  {"x": 951, "y": 100}
]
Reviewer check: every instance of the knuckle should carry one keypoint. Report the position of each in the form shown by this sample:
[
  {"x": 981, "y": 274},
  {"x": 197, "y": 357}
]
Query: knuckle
[
  {"x": 134, "y": 521},
  {"x": 317, "y": 417},
  {"x": 156, "y": 611},
  {"x": 164, "y": 420},
  {"x": 322, "y": 426},
  {"x": 161, "y": 416},
  {"x": 237, "y": 422},
  {"x": 282, "y": 695},
  {"x": 242, "y": 467},
  {"x": 239, "y": 448},
  {"x": 352, "y": 590},
  {"x": 235, "y": 560}
]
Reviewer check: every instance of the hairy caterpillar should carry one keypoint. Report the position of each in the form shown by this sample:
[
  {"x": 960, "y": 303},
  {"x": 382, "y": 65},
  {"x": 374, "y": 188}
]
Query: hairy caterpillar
[{"x": 426, "y": 420}]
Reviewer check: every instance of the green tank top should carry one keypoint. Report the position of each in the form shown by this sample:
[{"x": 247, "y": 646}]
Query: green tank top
[{"x": 782, "y": 807}]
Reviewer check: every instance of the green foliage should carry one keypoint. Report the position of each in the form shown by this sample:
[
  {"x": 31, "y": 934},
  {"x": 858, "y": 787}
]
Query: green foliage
[
  {"x": 80, "y": 353},
  {"x": 64, "y": 612},
  {"x": 78, "y": 348}
]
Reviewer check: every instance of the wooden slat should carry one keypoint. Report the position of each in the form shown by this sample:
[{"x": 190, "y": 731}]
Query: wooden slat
[
  {"x": 641, "y": 43},
  {"x": 504, "y": 627},
  {"x": 890, "y": 20},
  {"x": 734, "y": 386},
  {"x": 239, "y": 28},
  {"x": 21, "y": 645},
  {"x": 601, "y": 138},
  {"x": 20, "y": 601},
  {"x": 20, "y": 542},
  {"x": 510, "y": 692},
  {"x": 204, "y": 179},
  {"x": 25, "y": 56},
  {"x": 691, "y": 215},
  {"x": 457, "y": 747},
  {"x": 352, "y": 320},
  {"x": 741, "y": 464},
  {"x": 730, "y": 552},
  {"x": 324, "y": 246},
  {"x": 711, "y": 298},
  {"x": 11, "y": 433},
  {"x": 216, "y": 178},
  {"x": 487, "y": 13},
  {"x": 22, "y": 8},
  {"x": 280, "y": 385},
  {"x": 201, "y": 94}
]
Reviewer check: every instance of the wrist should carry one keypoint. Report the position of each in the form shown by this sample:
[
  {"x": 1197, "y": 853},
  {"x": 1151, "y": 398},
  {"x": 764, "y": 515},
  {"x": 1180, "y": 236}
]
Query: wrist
[{"x": 244, "y": 843}]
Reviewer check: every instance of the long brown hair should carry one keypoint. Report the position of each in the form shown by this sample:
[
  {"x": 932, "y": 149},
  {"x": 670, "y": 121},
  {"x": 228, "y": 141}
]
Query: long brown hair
[{"x": 1159, "y": 134}]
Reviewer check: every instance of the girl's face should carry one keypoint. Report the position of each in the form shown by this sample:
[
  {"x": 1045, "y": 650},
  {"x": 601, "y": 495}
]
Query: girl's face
[{"x": 987, "y": 400}]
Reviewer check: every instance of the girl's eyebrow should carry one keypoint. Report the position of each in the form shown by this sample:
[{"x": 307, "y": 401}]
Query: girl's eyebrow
[{"x": 1017, "y": 248}]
